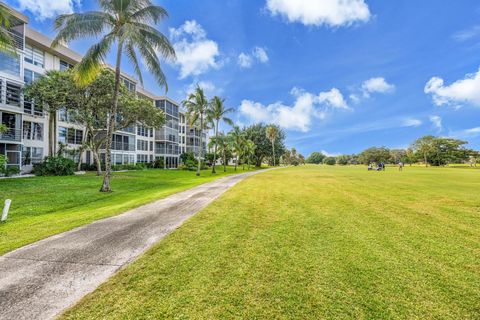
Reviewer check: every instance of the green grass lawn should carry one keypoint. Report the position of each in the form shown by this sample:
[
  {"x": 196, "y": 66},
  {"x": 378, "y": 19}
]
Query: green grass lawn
[
  {"x": 314, "y": 242},
  {"x": 44, "y": 206}
]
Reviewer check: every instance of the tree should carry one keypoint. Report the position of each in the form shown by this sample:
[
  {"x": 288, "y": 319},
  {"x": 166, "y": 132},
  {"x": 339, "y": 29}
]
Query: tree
[
  {"x": 374, "y": 155},
  {"x": 263, "y": 149},
  {"x": 216, "y": 112},
  {"x": 128, "y": 24},
  {"x": 223, "y": 143},
  {"x": 343, "y": 160},
  {"x": 197, "y": 105},
  {"x": 448, "y": 150},
  {"x": 272, "y": 134},
  {"x": 3, "y": 128},
  {"x": 93, "y": 104},
  {"x": 249, "y": 151},
  {"x": 237, "y": 138},
  {"x": 6, "y": 40},
  {"x": 331, "y": 161},
  {"x": 316, "y": 158},
  {"x": 424, "y": 146},
  {"x": 53, "y": 92}
]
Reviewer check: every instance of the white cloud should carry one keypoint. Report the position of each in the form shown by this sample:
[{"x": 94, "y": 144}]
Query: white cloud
[
  {"x": 45, "y": 9},
  {"x": 244, "y": 60},
  {"x": 465, "y": 133},
  {"x": 333, "y": 98},
  {"x": 376, "y": 85},
  {"x": 298, "y": 116},
  {"x": 258, "y": 54},
  {"x": 436, "y": 122},
  {"x": 333, "y": 13},
  {"x": 468, "y": 34},
  {"x": 412, "y": 122},
  {"x": 196, "y": 54},
  {"x": 463, "y": 91},
  {"x": 329, "y": 154}
]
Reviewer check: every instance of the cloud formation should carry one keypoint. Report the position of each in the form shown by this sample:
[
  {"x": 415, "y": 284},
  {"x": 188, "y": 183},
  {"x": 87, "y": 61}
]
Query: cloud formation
[
  {"x": 299, "y": 116},
  {"x": 463, "y": 91},
  {"x": 411, "y": 122},
  {"x": 258, "y": 54},
  {"x": 333, "y": 13},
  {"x": 467, "y": 34},
  {"x": 436, "y": 122},
  {"x": 196, "y": 54},
  {"x": 376, "y": 85},
  {"x": 46, "y": 9}
]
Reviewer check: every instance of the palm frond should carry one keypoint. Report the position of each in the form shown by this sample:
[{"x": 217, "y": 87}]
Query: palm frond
[
  {"x": 132, "y": 56},
  {"x": 91, "y": 64},
  {"x": 78, "y": 25},
  {"x": 150, "y": 14}
]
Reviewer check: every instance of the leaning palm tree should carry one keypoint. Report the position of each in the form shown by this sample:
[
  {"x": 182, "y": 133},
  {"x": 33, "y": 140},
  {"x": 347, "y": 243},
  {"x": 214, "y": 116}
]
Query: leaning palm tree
[
  {"x": 215, "y": 113},
  {"x": 272, "y": 134},
  {"x": 197, "y": 105},
  {"x": 128, "y": 25},
  {"x": 6, "y": 40}
]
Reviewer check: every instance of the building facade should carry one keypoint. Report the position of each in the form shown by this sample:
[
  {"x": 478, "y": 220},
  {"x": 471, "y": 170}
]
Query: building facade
[{"x": 26, "y": 140}]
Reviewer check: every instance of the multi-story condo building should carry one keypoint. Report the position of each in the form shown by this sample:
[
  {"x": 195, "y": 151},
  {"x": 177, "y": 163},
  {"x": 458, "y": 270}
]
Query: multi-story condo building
[{"x": 25, "y": 143}]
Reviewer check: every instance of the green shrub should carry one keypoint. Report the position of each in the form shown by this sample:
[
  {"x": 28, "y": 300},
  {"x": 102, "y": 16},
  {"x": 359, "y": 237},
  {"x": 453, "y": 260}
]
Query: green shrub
[
  {"x": 190, "y": 165},
  {"x": 131, "y": 166},
  {"x": 55, "y": 166},
  {"x": 10, "y": 171},
  {"x": 331, "y": 161}
]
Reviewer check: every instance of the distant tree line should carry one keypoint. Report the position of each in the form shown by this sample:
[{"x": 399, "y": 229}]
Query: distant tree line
[{"x": 428, "y": 150}]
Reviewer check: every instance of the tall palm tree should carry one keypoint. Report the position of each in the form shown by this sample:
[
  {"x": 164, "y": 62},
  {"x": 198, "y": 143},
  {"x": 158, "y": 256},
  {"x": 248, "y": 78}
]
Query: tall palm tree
[
  {"x": 223, "y": 142},
  {"x": 5, "y": 37},
  {"x": 197, "y": 105},
  {"x": 128, "y": 24},
  {"x": 216, "y": 113},
  {"x": 237, "y": 137},
  {"x": 272, "y": 134}
]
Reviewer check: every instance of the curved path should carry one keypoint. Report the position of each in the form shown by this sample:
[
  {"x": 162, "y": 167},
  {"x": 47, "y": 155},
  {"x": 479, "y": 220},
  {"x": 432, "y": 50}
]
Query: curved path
[{"x": 41, "y": 280}]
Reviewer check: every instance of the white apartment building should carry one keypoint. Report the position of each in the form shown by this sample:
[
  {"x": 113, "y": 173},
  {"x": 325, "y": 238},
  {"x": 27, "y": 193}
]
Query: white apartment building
[{"x": 26, "y": 143}]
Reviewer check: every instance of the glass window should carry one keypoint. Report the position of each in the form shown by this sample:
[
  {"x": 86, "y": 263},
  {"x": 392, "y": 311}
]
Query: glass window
[
  {"x": 13, "y": 94},
  {"x": 31, "y": 155},
  {"x": 10, "y": 64},
  {"x": 65, "y": 65},
  {"x": 34, "y": 56},
  {"x": 62, "y": 135}
]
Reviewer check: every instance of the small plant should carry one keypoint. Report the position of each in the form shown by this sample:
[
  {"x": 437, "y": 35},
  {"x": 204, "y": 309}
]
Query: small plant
[
  {"x": 55, "y": 166},
  {"x": 5, "y": 170}
]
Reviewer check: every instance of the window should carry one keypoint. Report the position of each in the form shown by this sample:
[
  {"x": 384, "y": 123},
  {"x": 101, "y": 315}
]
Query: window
[
  {"x": 142, "y": 145},
  {"x": 13, "y": 94},
  {"x": 70, "y": 135},
  {"x": 31, "y": 155},
  {"x": 66, "y": 115},
  {"x": 34, "y": 56},
  {"x": 142, "y": 158},
  {"x": 129, "y": 84},
  {"x": 10, "y": 64},
  {"x": 29, "y": 105},
  {"x": 32, "y": 131},
  {"x": 64, "y": 66}
]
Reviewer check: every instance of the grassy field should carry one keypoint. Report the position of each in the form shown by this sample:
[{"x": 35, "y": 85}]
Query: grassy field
[
  {"x": 43, "y": 206},
  {"x": 314, "y": 242}
]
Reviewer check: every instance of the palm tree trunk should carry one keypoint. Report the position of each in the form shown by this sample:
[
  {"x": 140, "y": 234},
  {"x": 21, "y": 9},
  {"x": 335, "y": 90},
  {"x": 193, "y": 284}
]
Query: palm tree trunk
[
  {"x": 111, "y": 124},
  {"x": 96, "y": 158},
  {"x": 425, "y": 158},
  {"x": 51, "y": 139},
  {"x": 273, "y": 150},
  {"x": 224, "y": 161},
  {"x": 82, "y": 149},
  {"x": 215, "y": 151},
  {"x": 236, "y": 162},
  {"x": 200, "y": 147}
]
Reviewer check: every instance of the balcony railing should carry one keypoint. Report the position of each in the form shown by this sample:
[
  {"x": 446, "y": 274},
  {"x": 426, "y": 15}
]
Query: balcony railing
[
  {"x": 123, "y": 146},
  {"x": 11, "y": 135},
  {"x": 166, "y": 151},
  {"x": 17, "y": 39}
]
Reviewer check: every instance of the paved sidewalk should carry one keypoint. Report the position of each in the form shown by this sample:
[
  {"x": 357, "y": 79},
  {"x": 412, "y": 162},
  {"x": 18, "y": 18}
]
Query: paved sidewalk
[{"x": 41, "y": 280}]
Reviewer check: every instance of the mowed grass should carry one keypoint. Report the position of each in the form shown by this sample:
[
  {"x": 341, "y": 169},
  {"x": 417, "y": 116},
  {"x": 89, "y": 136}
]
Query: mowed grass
[
  {"x": 313, "y": 242},
  {"x": 44, "y": 206}
]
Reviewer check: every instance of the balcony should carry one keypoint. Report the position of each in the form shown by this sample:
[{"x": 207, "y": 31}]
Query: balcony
[
  {"x": 12, "y": 134},
  {"x": 121, "y": 146}
]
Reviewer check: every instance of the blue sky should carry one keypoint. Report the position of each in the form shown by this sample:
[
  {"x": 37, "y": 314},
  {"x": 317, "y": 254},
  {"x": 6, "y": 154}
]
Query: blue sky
[{"x": 338, "y": 76}]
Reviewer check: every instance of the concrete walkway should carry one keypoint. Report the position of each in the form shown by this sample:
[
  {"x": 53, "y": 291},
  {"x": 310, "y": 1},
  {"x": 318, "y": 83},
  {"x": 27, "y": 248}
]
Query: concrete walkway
[{"x": 41, "y": 280}]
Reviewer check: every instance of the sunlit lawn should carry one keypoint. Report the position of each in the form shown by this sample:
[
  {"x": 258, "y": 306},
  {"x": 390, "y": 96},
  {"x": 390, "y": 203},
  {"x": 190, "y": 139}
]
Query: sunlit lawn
[
  {"x": 43, "y": 206},
  {"x": 314, "y": 242}
]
